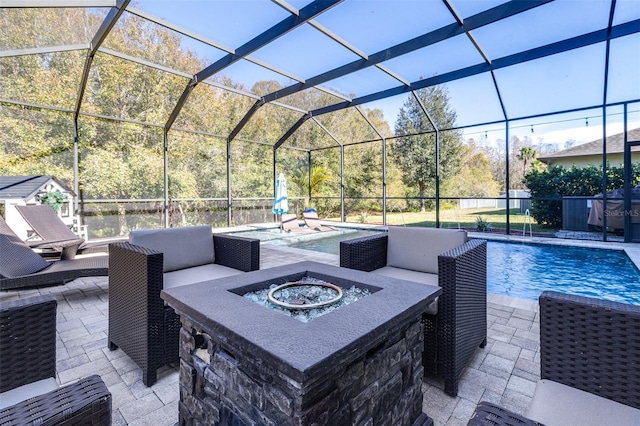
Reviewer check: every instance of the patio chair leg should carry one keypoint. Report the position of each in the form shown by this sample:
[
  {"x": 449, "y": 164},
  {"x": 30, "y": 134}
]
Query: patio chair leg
[
  {"x": 149, "y": 377},
  {"x": 69, "y": 253},
  {"x": 484, "y": 343},
  {"x": 451, "y": 387},
  {"x": 112, "y": 346}
]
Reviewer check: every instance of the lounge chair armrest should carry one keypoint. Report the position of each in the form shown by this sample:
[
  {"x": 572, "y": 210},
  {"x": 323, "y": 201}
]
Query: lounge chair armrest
[
  {"x": 365, "y": 253},
  {"x": 27, "y": 332},
  {"x": 86, "y": 401},
  {"x": 591, "y": 344},
  {"x": 237, "y": 252},
  {"x": 54, "y": 244},
  {"x": 67, "y": 248}
]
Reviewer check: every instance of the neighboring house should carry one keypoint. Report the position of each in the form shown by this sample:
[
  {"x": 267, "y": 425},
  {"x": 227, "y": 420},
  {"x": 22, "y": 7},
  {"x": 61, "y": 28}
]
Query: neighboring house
[
  {"x": 23, "y": 190},
  {"x": 590, "y": 153}
]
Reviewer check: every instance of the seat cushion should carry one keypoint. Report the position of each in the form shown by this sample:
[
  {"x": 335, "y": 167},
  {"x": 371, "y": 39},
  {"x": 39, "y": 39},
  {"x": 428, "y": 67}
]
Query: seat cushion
[
  {"x": 415, "y": 276},
  {"x": 418, "y": 248},
  {"x": 197, "y": 274},
  {"x": 557, "y": 404},
  {"x": 16, "y": 258},
  {"x": 21, "y": 393},
  {"x": 182, "y": 247}
]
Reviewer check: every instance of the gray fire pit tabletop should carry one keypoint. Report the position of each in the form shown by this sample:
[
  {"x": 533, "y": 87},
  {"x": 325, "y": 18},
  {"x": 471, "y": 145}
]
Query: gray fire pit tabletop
[{"x": 220, "y": 309}]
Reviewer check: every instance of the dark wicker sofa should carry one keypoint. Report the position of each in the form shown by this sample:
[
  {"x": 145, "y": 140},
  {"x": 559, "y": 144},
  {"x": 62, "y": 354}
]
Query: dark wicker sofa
[
  {"x": 139, "y": 321},
  {"x": 589, "y": 345},
  {"x": 459, "y": 327},
  {"x": 28, "y": 368}
]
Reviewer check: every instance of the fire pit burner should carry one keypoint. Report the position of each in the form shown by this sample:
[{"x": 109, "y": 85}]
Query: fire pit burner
[{"x": 304, "y": 295}]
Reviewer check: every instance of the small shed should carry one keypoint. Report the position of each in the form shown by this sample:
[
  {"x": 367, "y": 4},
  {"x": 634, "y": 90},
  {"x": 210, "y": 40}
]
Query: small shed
[{"x": 25, "y": 190}]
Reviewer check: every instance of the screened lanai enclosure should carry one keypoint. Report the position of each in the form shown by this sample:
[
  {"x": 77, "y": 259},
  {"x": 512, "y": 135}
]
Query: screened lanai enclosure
[{"x": 483, "y": 114}]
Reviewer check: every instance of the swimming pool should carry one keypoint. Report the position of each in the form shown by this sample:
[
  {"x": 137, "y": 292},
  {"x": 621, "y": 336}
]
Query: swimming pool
[
  {"x": 525, "y": 270},
  {"x": 522, "y": 270}
]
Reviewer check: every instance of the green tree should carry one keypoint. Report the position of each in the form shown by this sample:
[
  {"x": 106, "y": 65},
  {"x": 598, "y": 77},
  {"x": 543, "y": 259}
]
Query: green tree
[
  {"x": 363, "y": 176},
  {"x": 320, "y": 178},
  {"x": 475, "y": 178},
  {"x": 416, "y": 155},
  {"x": 322, "y": 196},
  {"x": 123, "y": 160}
]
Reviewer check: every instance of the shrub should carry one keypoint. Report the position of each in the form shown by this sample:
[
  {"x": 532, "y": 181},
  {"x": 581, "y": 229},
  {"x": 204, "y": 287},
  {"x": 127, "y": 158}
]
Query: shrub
[
  {"x": 364, "y": 217},
  {"x": 549, "y": 186},
  {"x": 482, "y": 225}
]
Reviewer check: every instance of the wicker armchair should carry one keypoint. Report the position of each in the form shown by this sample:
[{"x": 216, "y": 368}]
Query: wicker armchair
[
  {"x": 585, "y": 343},
  {"x": 460, "y": 325},
  {"x": 139, "y": 321},
  {"x": 28, "y": 354}
]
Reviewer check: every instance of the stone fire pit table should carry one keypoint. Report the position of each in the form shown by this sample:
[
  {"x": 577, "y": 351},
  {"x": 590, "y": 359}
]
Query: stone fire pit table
[{"x": 243, "y": 363}]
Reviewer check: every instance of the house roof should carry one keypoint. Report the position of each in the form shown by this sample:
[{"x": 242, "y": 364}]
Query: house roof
[
  {"x": 25, "y": 186},
  {"x": 615, "y": 145}
]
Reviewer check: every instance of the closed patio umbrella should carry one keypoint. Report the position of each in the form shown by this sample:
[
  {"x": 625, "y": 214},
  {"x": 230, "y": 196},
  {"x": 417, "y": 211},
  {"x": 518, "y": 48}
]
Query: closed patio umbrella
[{"x": 280, "y": 202}]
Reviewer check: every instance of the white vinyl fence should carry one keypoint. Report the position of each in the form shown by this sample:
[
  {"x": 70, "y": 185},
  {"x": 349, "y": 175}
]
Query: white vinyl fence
[{"x": 497, "y": 203}]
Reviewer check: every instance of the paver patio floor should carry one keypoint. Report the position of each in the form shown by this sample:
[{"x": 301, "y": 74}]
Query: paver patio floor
[{"x": 505, "y": 371}]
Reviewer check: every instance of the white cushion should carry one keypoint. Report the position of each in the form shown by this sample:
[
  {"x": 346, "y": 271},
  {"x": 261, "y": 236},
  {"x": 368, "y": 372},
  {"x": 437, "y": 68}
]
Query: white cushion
[
  {"x": 21, "y": 393},
  {"x": 182, "y": 247},
  {"x": 197, "y": 274},
  {"x": 557, "y": 404},
  {"x": 418, "y": 248},
  {"x": 415, "y": 276}
]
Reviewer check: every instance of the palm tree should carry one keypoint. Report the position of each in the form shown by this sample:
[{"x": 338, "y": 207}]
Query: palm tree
[{"x": 526, "y": 155}]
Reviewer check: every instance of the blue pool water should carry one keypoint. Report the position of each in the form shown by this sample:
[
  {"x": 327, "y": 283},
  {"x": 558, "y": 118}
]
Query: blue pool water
[{"x": 525, "y": 270}]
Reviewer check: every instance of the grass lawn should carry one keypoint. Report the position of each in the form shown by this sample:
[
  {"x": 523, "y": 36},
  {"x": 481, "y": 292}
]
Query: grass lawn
[{"x": 465, "y": 218}]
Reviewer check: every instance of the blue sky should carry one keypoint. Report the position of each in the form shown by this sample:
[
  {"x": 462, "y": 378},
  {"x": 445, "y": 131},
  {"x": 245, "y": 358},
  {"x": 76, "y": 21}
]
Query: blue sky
[{"x": 569, "y": 80}]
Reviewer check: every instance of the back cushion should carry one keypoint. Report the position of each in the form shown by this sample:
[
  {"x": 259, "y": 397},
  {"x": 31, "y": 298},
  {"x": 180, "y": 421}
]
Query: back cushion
[
  {"x": 16, "y": 258},
  {"x": 182, "y": 247},
  {"x": 418, "y": 248}
]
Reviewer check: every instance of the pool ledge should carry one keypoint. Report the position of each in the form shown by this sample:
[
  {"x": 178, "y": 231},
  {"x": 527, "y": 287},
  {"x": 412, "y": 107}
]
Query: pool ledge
[{"x": 634, "y": 255}]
